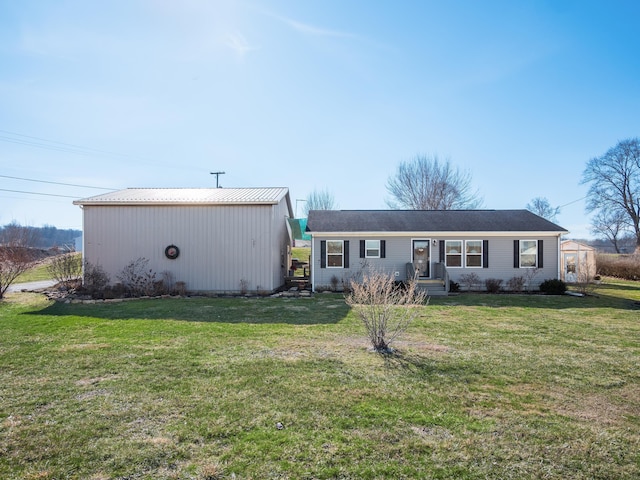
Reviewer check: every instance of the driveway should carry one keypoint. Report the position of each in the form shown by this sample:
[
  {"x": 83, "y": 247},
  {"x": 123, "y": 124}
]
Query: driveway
[{"x": 30, "y": 286}]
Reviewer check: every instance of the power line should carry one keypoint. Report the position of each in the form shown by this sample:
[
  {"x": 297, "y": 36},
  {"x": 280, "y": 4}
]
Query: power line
[
  {"x": 574, "y": 201},
  {"x": 37, "y": 193},
  {"x": 56, "y": 146},
  {"x": 56, "y": 183}
]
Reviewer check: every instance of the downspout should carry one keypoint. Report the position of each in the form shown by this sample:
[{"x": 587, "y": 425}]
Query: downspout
[
  {"x": 84, "y": 246},
  {"x": 312, "y": 265},
  {"x": 559, "y": 273}
]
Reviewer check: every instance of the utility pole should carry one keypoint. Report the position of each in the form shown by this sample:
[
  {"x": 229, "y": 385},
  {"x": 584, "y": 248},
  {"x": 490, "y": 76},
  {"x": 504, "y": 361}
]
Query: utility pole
[{"x": 217, "y": 174}]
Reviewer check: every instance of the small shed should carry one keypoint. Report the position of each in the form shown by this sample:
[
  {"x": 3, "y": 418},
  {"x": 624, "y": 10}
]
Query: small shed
[
  {"x": 578, "y": 261},
  {"x": 223, "y": 240}
]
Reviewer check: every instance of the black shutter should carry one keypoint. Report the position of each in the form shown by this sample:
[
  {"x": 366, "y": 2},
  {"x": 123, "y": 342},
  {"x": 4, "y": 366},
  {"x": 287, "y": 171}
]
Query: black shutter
[
  {"x": 323, "y": 254},
  {"x": 361, "y": 248},
  {"x": 516, "y": 254},
  {"x": 540, "y": 254},
  {"x": 441, "y": 251},
  {"x": 346, "y": 254},
  {"x": 383, "y": 249},
  {"x": 485, "y": 254}
]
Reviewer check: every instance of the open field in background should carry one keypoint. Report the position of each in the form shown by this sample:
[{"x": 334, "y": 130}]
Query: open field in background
[
  {"x": 38, "y": 272},
  {"x": 483, "y": 386}
]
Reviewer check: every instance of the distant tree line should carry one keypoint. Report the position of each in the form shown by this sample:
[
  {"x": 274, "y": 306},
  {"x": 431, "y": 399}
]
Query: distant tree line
[{"x": 44, "y": 237}]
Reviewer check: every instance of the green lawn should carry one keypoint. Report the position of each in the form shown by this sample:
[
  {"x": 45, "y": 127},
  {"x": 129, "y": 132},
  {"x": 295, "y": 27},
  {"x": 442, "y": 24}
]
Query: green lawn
[
  {"x": 39, "y": 272},
  {"x": 483, "y": 386}
]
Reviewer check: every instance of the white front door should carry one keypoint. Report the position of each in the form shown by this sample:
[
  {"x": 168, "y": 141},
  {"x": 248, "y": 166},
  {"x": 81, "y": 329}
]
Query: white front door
[{"x": 421, "y": 258}]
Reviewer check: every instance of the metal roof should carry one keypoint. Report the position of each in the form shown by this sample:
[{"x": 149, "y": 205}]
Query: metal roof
[
  {"x": 189, "y": 196},
  {"x": 387, "y": 221}
]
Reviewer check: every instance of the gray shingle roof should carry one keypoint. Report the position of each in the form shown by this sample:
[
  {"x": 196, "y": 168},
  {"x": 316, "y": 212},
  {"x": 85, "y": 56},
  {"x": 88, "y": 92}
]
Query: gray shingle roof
[{"x": 328, "y": 221}]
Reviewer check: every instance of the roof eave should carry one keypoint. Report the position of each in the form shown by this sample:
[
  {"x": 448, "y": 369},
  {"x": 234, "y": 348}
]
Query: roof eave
[{"x": 423, "y": 233}]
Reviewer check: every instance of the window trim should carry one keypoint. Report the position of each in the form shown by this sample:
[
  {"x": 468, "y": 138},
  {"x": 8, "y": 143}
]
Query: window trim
[
  {"x": 520, "y": 253},
  {"x": 446, "y": 254},
  {"x": 480, "y": 255},
  {"x": 341, "y": 254},
  {"x": 378, "y": 248}
]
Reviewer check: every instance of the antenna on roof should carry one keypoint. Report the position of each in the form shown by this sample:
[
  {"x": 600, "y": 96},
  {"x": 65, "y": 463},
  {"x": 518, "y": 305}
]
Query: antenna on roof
[{"x": 217, "y": 174}]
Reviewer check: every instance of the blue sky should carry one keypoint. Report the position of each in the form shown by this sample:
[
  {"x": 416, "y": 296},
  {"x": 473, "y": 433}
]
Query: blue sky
[{"x": 310, "y": 95}]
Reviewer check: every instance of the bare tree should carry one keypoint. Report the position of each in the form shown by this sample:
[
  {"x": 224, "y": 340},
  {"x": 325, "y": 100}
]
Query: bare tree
[
  {"x": 610, "y": 225},
  {"x": 541, "y": 206},
  {"x": 16, "y": 253},
  {"x": 426, "y": 183},
  {"x": 614, "y": 180},
  {"x": 320, "y": 200}
]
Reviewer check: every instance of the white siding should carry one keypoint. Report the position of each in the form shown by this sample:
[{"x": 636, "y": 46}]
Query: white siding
[{"x": 219, "y": 245}]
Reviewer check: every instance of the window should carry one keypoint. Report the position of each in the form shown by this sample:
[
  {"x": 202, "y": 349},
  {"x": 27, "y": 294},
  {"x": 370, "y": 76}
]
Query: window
[
  {"x": 372, "y": 248},
  {"x": 473, "y": 253},
  {"x": 335, "y": 251},
  {"x": 528, "y": 253},
  {"x": 453, "y": 253}
]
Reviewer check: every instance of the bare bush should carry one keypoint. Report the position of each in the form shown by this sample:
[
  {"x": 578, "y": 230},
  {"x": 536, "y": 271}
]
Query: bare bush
[
  {"x": 65, "y": 268},
  {"x": 95, "y": 279},
  {"x": 386, "y": 309},
  {"x": 619, "y": 266},
  {"x": 493, "y": 285},
  {"x": 586, "y": 273},
  {"x": 137, "y": 279},
  {"x": 529, "y": 275},
  {"x": 468, "y": 280},
  {"x": 516, "y": 284}
]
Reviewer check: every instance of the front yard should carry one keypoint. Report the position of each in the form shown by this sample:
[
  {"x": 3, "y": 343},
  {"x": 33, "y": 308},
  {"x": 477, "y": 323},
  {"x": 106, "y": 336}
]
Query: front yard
[{"x": 484, "y": 386}]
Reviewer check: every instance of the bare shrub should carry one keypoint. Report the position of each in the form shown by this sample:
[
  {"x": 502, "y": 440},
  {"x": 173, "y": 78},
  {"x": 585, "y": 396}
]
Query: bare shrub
[
  {"x": 334, "y": 283},
  {"x": 584, "y": 281},
  {"x": 95, "y": 279},
  {"x": 493, "y": 285},
  {"x": 181, "y": 288},
  {"x": 137, "y": 279},
  {"x": 468, "y": 280},
  {"x": 619, "y": 266},
  {"x": 65, "y": 268},
  {"x": 386, "y": 309},
  {"x": 244, "y": 286},
  {"x": 529, "y": 275},
  {"x": 516, "y": 284}
]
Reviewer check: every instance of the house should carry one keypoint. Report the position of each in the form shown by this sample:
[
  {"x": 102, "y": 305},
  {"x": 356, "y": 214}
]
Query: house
[
  {"x": 578, "y": 262},
  {"x": 213, "y": 239},
  {"x": 435, "y": 245}
]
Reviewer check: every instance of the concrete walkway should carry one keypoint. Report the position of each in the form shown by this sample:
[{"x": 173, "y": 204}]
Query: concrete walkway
[{"x": 30, "y": 286}]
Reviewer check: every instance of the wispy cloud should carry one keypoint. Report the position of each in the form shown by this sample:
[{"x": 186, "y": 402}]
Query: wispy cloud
[
  {"x": 239, "y": 44},
  {"x": 308, "y": 29}
]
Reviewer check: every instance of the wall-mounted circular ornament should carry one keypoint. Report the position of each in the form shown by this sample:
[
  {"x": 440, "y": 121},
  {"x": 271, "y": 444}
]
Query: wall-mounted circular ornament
[{"x": 172, "y": 252}]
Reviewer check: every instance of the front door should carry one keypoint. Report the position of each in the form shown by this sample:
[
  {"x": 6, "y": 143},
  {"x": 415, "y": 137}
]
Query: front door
[{"x": 421, "y": 258}]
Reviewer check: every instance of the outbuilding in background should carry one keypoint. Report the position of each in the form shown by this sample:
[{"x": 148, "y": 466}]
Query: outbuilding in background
[{"x": 578, "y": 262}]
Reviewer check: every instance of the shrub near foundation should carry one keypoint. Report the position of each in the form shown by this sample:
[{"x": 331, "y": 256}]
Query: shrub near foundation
[{"x": 553, "y": 287}]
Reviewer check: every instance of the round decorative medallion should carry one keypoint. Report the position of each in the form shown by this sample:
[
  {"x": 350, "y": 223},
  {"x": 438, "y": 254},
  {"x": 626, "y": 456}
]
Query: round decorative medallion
[{"x": 172, "y": 252}]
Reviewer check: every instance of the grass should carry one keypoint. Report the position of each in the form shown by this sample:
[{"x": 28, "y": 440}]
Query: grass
[
  {"x": 37, "y": 273},
  {"x": 483, "y": 386},
  {"x": 303, "y": 254}
]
